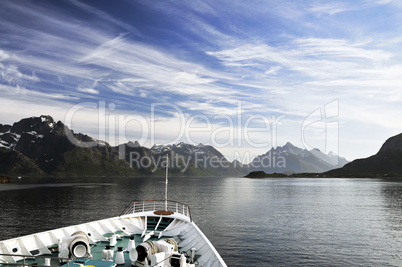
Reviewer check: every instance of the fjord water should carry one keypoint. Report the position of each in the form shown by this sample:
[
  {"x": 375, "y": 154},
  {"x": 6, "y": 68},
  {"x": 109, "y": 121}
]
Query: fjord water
[{"x": 251, "y": 222}]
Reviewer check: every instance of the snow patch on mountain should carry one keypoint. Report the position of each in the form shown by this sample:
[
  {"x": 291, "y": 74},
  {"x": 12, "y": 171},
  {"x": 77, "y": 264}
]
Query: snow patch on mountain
[
  {"x": 4, "y": 144},
  {"x": 196, "y": 152},
  {"x": 37, "y": 127}
]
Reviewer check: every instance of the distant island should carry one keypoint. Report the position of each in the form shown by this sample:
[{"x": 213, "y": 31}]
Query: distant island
[{"x": 262, "y": 174}]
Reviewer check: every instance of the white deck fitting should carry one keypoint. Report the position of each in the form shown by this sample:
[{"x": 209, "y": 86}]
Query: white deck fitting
[{"x": 132, "y": 221}]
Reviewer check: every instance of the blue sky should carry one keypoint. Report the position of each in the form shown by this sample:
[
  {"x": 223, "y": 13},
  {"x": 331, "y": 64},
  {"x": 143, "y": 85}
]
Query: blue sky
[{"x": 241, "y": 75}]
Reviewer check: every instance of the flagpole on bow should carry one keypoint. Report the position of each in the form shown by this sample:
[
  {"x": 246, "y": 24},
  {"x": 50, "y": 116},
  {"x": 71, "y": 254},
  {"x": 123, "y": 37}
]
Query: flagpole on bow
[{"x": 166, "y": 182}]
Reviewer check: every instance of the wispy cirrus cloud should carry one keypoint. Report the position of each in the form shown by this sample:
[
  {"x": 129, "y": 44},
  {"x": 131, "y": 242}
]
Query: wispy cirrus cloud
[
  {"x": 11, "y": 74},
  {"x": 315, "y": 57},
  {"x": 329, "y": 8},
  {"x": 21, "y": 92},
  {"x": 334, "y": 7},
  {"x": 116, "y": 63},
  {"x": 374, "y": 3},
  {"x": 88, "y": 90},
  {"x": 323, "y": 70}
]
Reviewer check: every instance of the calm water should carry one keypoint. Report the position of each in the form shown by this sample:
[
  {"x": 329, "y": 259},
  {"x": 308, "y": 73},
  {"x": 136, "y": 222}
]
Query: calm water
[{"x": 270, "y": 222}]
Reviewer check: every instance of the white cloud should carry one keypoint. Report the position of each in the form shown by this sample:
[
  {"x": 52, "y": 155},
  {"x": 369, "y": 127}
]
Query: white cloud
[
  {"x": 3, "y": 55},
  {"x": 374, "y": 3},
  {"x": 209, "y": 107},
  {"x": 88, "y": 90},
  {"x": 11, "y": 74},
  {"x": 332, "y": 8},
  {"x": 126, "y": 67},
  {"x": 320, "y": 60},
  {"x": 21, "y": 92},
  {"x": 328, "y": 8},
  {"x": 273, "y": 70}
]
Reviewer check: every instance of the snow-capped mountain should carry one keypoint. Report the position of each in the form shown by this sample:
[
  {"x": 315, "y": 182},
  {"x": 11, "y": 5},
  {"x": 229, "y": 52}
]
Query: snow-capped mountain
[
  {"x": 287, "y": 149},
  {"x": 289, "y": 158},
  {"x": 187, "y": 149},
  {"x": 188, "y": 159},
  {"x": 33, "y": 129},
  {"x": 42, "y": 144}
]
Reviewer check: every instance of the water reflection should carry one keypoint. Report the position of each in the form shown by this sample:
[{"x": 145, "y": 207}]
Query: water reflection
[
  {"x": 391, "y": 191},
  {"x": 334, "y": 222}
]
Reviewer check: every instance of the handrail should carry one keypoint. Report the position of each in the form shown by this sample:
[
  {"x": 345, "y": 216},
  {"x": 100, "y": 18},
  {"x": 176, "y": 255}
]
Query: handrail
[
  {"x": 29, "y": 256},
  {"x": 153, "y": 205}
]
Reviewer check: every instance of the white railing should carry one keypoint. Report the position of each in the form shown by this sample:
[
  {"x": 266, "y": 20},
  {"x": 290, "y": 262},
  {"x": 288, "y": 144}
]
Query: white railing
[
  {"x": 25, "y": 257},
  {"x": 153, "y": 205}
]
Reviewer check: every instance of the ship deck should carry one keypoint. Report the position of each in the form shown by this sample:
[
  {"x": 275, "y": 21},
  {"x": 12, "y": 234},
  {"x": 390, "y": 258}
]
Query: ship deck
[
  {"x": 144, "y": 220},
  {"x": 96, "y": 251}
]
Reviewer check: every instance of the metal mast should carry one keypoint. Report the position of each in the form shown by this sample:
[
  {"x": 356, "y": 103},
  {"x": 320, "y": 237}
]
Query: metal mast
[{"x": 166, "y": 182}]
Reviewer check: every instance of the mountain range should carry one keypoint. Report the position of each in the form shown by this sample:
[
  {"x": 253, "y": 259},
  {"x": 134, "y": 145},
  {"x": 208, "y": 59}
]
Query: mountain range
[
  {"x": 41, "y": 146},
  {"x": 292, "y": 159},
  {"x": 38, "y": 145}
]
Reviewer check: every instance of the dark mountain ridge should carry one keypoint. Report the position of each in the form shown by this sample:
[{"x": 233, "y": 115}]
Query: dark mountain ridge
[
  {"x": 43, "y": 143},
  {"x": 387, "y": 162}
]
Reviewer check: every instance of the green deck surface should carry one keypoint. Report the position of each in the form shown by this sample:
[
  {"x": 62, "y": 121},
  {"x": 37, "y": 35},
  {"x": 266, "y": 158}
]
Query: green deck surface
[{"x": 96, "y": 252}]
